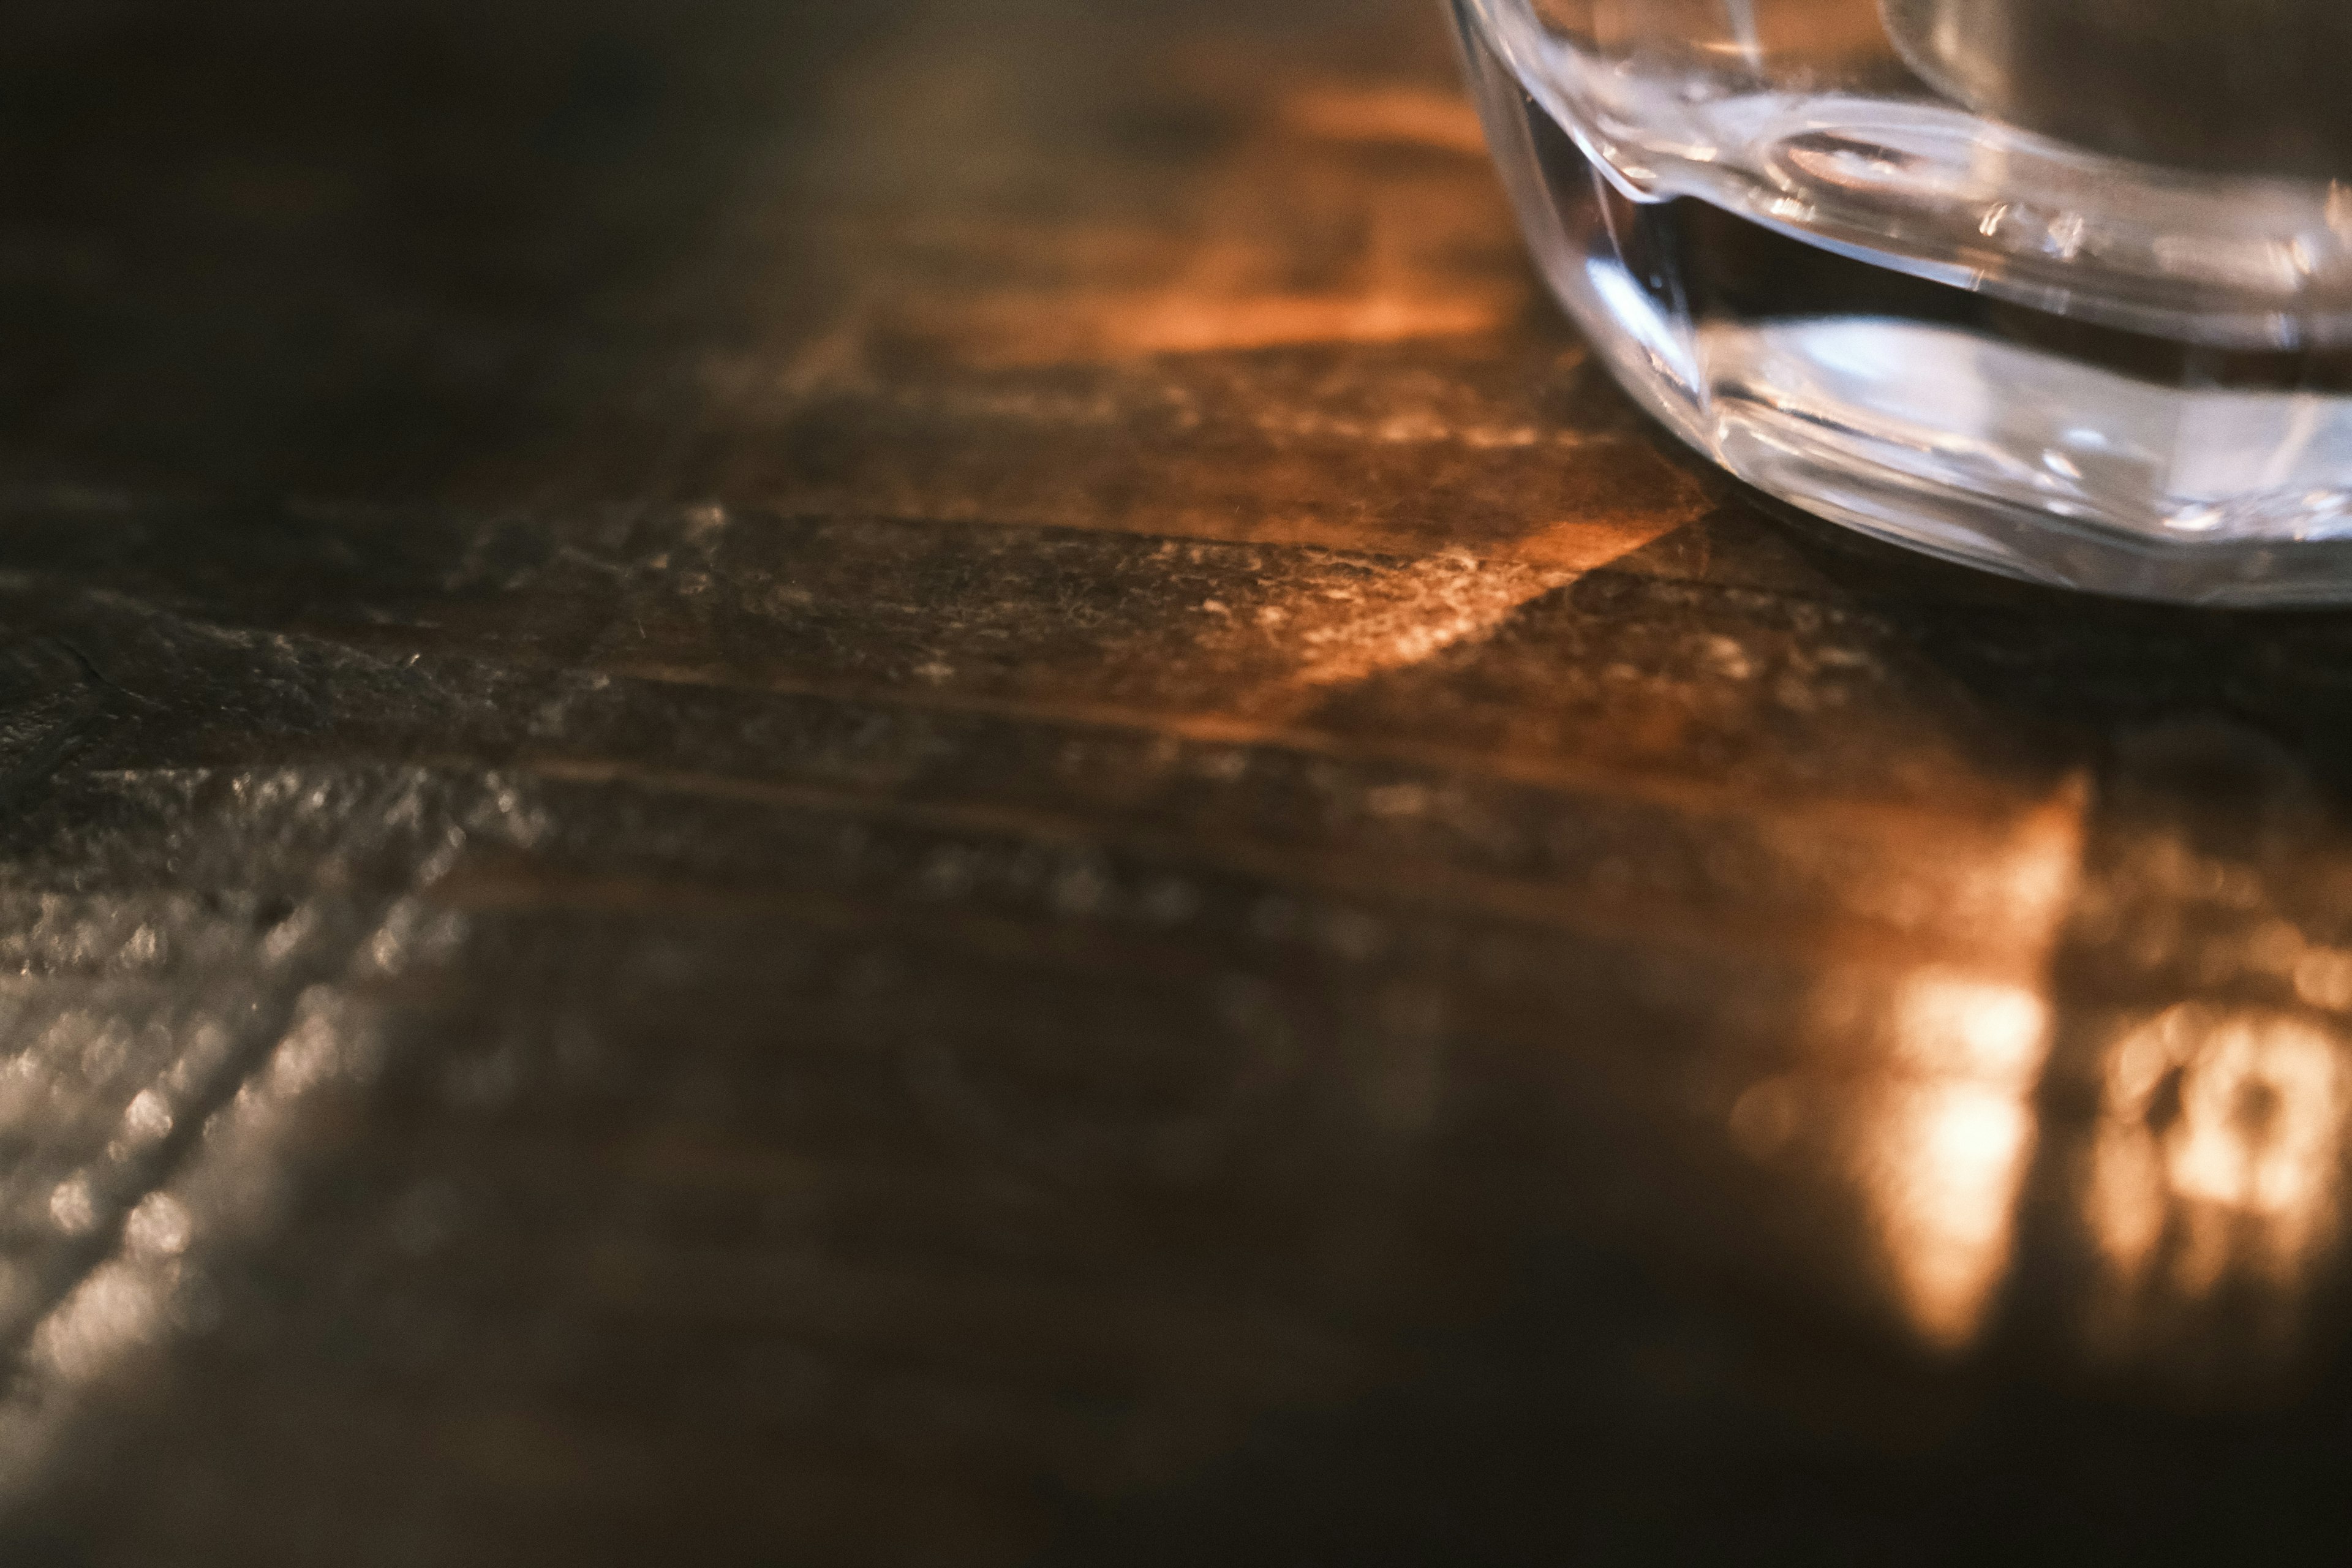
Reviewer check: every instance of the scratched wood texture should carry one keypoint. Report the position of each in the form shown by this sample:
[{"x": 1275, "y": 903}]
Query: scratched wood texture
[{"x": 813, "y": 783}]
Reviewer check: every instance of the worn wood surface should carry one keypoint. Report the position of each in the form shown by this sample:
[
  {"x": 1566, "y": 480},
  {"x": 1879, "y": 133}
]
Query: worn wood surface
[{"x": 931, "y": 785}]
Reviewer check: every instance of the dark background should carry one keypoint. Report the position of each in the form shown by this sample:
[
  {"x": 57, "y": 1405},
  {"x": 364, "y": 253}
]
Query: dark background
[{"x": 846, "y": 783}]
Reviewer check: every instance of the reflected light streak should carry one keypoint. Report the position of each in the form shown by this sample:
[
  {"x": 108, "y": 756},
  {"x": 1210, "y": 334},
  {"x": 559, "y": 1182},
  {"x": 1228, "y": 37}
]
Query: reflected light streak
[
  {"x": 2218, "y": 1159},
  {"x": 1399, "y": 114},
  {"x": 1948, "y": 1130},
  {"x": 1209, "y": 314},
  {"x": 1951, "y": 1145}
]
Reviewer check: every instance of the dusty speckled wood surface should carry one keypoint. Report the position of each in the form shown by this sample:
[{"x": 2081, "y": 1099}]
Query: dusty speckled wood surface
[{"x": 930, "y": 785}]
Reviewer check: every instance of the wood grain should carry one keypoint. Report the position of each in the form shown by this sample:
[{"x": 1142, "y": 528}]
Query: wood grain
[{"x": 829, "y": 784}]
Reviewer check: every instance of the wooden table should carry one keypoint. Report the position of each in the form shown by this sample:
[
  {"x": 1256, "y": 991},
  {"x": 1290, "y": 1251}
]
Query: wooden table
[{"x": 897, "y": 784}]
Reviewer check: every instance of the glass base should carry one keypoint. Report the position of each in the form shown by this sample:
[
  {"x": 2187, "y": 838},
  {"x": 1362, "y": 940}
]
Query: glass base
[{"x": 2035, "y": 442}]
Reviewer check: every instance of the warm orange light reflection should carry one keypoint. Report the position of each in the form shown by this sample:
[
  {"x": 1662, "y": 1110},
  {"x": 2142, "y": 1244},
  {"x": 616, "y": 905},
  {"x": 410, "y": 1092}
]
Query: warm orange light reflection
[
  {"x": 1951, "y": 1142},
  {"x": 2217, "y": 1160},
  {"x": 1944, "y": 1127},
  {"x": 1195, "y": 317},
  {"x": 1402, "y": 114}
]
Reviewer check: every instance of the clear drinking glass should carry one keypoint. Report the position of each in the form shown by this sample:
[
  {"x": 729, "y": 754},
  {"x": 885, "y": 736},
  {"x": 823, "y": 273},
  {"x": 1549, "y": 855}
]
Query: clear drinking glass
[{"x": 2061, "y": 287}]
